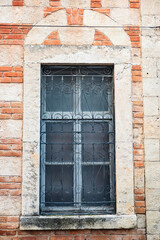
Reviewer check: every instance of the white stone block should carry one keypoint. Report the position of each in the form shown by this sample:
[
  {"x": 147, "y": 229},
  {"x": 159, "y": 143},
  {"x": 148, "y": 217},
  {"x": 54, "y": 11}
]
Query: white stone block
[
  {"x": 152, "y": 199},
  {"x": 152, "y": 150},
  {"x": 38, "y": 35},
  {"x": 126, "y": 16},
  {"x": 76, "y": 3},
  {"x": 36, "y": 3},
  {"x": 11, "y": 128},
  {"x": 151, "y": 87},
  {"x": 152, "y": 175},
  {"x": 93, "y": 18},
  {"x": 10, "y": 206},
  {"x": 150, "y": 7},
  {"x": 139, "y": 177},
  {"x": 76, "y": 36},
  {"x": 152, "y": 127},
  {"x": 20, "y": 15},
  {"x": 149, "y": 69},
  {"x": 141, "y": 221},
  {"x": 153, "y": 222},
  {"x": 5, "y": 2},
  {"x": 151, "y": 106},
  {"x": 115, "y": 3},
  {"x": 11, "y": 92},
  {"x": 11, "y": 166},
  {"x": 11, "y": 55}
]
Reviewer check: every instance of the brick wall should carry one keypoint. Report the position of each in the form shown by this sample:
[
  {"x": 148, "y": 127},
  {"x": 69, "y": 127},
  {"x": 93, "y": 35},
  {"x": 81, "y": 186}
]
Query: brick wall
[{"x": 13, "y": 32}]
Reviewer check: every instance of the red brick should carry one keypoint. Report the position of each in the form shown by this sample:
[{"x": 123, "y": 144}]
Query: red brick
[
  {"x": 4, "y": 147},
  {"x": 139, "y": 197},
  {"x": 9, "y": 225},
  {"x": 11, "y": 141},
  {"x": 18, "y": 69},
  {"x": 52, "y": 42},
  {"x": 98, "y": 237},
  {"x": 140, "y": 210},
  {"x": 5, "y": 68},
  {"x": 134, "y": 5},
  {"x": 96, "y": 4},
  {"x": 17, "y": 3},
  {"x": 13, "y": 219},
  {"x": 15, "y": 192},
  {"x": 7, "y": 233},
  {"x": 10, "y": 185},
  {"x": 17, "y": 116},
  {"x": 16, "y": 104},
  {"x": 61, "y": 238},
  {"x": 139, "y": 191},
  {"x": 13, "y": 74},
  {"x": 42, "y": 238},
  {"x": 3, "y": 219},
  {"x": 140, "y": 204},
  {"x": 17, "y": 80}
]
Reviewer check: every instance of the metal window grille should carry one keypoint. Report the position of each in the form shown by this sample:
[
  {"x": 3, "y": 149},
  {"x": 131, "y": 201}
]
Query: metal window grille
[{"x": 77, "y": 140}]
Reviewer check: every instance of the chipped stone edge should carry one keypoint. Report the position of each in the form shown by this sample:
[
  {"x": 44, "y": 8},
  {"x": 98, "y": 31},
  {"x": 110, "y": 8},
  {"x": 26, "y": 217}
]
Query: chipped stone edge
[{"x": 62, "y": 222}]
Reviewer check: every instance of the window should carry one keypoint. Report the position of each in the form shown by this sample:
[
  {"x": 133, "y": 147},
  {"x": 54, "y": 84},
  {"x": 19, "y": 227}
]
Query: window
[{"x": 77, "y": 139}]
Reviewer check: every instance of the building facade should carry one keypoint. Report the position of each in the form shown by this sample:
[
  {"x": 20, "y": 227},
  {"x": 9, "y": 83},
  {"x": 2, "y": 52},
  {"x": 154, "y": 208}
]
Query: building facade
[{"x": 79, "y": 119}]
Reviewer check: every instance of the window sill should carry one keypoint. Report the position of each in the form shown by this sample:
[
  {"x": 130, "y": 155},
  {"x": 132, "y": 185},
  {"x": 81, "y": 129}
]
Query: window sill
[{"x": 78, "y": 222}]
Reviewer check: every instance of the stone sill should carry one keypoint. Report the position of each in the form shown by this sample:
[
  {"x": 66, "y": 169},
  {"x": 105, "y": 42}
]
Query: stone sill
[{"x": 78, "y": 222}]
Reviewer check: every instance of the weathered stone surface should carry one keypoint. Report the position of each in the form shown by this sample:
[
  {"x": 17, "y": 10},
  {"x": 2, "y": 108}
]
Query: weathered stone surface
[
  {"x": 151, "y": 106},
  {"x": 10, "y": 128},
  {"x": 11, "y": 92},
  {"x": 153, "y": 237},
  {"x": 11, "y": 166},
  {"x": 151, "y": 87},
  {"x": 126, "y": 16},
  {"x": 38, "y": 35},
  {"x": 152, "y": 199},
  {"x": 76, "y": 36},
  {"x": 124, "y": 185},
  {"x": 5, "y": 3},
  {"x": 76, "y": 3},
  {"x": 76, "y": 55},
  {"x": 93, "y": 18},
  {"x": 8, "y": 56},
  {"x": 36, "y": 3},
  {"x": 152, "y": 127},
  {"x": 148, "y": 20},
  {"x": 141, "y": 221},
  {"x": 152, "y": 150},
  {"x": 78, "y": 222},
  {"x": 150, "y": 45},
  {"x": 12, "y": 207},
  {"x": 152, "y": 175},
  {"x": 150, "y": 7},
  {"x": 115, "y": 3},
  {"x": 153, "y": 222},
  {"x": 123, "y": 114},
  {"x": 21, "y": 15},
  {"x": 31, "y": 166},
  {"x": 139, "y": 177},
  {"x": 150, "y": 68}
]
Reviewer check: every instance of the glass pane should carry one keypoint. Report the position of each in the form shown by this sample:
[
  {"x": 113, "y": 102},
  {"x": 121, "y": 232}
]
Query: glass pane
[
  {"x": 95, "y": 184},
  {"x": 59, "y": 94},
  {"x": 59, "y": 182},
  {"x": 59, "y": 142},
  {"x": 94, "y": 94},
  {"x": 95, "y": 141}
]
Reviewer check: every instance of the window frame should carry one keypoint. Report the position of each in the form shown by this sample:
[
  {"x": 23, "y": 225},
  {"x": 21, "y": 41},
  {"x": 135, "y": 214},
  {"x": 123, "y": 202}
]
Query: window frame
[{"x": 33, "y": 58}]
